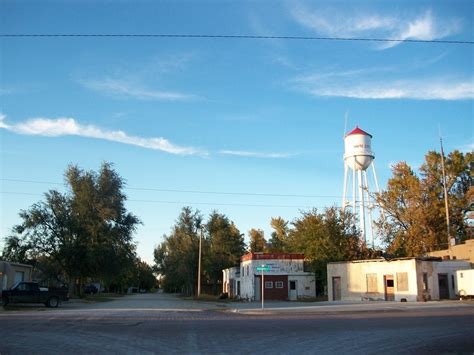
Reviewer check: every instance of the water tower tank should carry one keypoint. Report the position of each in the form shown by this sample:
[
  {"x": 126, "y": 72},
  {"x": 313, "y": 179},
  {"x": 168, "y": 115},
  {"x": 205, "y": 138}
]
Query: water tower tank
[{"x": 358, "y": 153}]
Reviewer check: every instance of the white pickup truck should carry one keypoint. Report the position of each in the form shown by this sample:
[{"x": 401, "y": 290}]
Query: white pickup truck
[{"x": 465, "y": 283}]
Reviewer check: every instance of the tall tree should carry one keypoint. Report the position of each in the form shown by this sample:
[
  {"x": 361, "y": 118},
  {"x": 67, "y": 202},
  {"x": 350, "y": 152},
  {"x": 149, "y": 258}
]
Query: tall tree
[
  {"x": 87, "y": 231},
  {"x": 226, "y": 246},
  {"x": 279, "y": 236},
  {"x": 414, "y": 205},
  {"x": 257, "y": 240},
  {"x": 176, "y": 257},
  {"x": 325, "y": 237}
]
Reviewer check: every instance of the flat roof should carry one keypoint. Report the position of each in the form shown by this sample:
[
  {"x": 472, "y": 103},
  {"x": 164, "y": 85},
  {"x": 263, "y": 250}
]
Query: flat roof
[{"x": 272, "y": 256}]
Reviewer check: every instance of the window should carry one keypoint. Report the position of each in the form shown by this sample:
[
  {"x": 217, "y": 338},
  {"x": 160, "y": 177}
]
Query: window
[
  {"x": 278, "y": 284},
  {"x": 425, "y": 281},
  {"x": 371, "y": 283},
  {"x": 402, "y": 281},
  {"x": 248, "y": 272},
  {"x": 268, "y": 284}
]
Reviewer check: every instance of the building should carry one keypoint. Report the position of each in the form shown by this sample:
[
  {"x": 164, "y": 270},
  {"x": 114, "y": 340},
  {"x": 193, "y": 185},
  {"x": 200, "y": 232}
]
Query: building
[
  {"x": 231, "y": 282},
  {"x": 284, "y": 277},
  {"x": 11, "y": 273},
  {"x": 463, "y": 251},
  {"x": 409, "y": 279}
]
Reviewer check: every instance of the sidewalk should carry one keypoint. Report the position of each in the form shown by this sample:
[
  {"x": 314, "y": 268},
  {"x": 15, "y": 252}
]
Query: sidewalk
[{"x": 334, "y": 307}]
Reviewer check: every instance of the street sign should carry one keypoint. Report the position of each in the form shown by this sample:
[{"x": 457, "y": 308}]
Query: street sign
[{"x": 263, "y": 268}]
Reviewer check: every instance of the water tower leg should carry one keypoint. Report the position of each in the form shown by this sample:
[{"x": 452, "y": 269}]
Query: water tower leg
[
  {"x": 354, "y": 194},
  {"x": 370, "y": 206},
  {"x": 361, "y": 206},
  {"x": 345, "y": 187}
]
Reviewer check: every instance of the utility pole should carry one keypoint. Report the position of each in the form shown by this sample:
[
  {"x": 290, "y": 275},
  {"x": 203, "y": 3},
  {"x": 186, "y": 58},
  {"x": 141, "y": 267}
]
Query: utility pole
[
  {"x": 199, "y": 266},
  {"x": 446, "y": 205}
]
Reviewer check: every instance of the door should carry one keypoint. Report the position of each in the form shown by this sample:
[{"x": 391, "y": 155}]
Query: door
[
  {"x": 258, "y": 288},
  {"x": 389, "y": 288},
  {"x": 336, "y": 288},
  {"x": 292, "y": 292},
  {"x": 443, "y": 285}
]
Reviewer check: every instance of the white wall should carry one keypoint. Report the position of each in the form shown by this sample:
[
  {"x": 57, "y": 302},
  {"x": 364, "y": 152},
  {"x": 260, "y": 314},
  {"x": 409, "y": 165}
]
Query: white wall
[{"x": 354, "y": 279}]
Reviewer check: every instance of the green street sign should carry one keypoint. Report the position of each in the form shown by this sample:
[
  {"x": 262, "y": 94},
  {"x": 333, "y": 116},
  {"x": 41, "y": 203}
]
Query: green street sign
[{"x": 263, "y": 268}]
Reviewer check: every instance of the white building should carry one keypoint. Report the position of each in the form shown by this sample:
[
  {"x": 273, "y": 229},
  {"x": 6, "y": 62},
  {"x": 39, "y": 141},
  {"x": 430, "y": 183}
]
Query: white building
[
  {"x": 284, "y": 277},
  {"x": 410, "y": 279}
]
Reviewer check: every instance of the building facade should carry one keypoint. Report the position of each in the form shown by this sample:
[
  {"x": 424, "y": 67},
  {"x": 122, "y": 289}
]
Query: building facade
[
  {"x": 463, "y": 251},
  {"x": 11, "y": 273},
  {"x": 404, "y": 279},
  {"x": 284, "y": 277}
]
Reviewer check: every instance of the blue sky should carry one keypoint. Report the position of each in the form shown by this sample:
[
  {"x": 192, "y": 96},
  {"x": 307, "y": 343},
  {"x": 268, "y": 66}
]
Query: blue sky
[{"x": 183, "y": 117}]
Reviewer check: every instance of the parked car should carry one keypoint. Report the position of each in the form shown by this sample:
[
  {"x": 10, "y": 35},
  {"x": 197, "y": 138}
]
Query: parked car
[
  {"x": 30, "y": 292},
  {"x": 91, "y": 290}
]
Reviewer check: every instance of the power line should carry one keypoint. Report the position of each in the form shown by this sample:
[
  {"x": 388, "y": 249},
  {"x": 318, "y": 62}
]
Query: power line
[
  {"x": 204, "y": 36},
  {"x": 233, "y": 193},
  {"x": 188, "y": 203}
]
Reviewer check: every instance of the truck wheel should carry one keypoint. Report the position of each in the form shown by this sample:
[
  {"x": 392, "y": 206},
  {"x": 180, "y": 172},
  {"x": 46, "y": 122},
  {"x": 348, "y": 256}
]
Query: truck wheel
[
  {"x": 5, "y": 301},
  {"x": 53, "y": 302}
]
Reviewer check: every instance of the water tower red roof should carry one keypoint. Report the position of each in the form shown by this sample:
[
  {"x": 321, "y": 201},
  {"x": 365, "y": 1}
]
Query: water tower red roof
[{"x": 357, "y": 130}]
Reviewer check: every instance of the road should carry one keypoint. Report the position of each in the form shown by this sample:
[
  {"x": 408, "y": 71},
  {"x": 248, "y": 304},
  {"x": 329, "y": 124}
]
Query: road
[{"x": 146, "y": 324}]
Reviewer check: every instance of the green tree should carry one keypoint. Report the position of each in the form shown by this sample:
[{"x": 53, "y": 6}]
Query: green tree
[
  {"x": 257, "y": 240},
  {"x": 325, "y": 237},
  {"x": 86, "y": 231},
  {"x": 176, "y": 257},
  {"x": 226, "y": 246},
  {"x": 279, "y": 237}
]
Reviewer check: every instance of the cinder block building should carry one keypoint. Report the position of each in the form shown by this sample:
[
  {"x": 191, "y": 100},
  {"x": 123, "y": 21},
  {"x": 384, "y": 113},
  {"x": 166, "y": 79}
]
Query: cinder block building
[
  {"x": 284, "y": 277},
  {"x": 410, "y": 279}
]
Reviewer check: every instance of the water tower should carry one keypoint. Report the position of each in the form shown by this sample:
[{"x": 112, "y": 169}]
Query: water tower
[{"x": 358, "y": 157}]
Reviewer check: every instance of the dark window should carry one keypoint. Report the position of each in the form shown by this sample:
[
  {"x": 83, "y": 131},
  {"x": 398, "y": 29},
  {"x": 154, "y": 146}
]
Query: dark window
[
  {"x": 268, "y": 284},
  {"x": 425, "y": 281},
  {"x": 278, "y": 284},
  {"x": 389, "y": 283},
  {"x": 292, "y": 285}
]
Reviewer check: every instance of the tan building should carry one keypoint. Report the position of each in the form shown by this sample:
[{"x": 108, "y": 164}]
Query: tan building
[
  {"x": 409, "y": 279},
  {"x": 463, "y": 251},
  {"x": 11, "y": 273}
]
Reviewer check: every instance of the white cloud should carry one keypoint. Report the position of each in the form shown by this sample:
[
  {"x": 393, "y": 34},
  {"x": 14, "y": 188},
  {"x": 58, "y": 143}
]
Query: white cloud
[
  {"x": 248, "y": 154},
  {"x": 335, "y": 23},
  {"x": 119, "y": 88},
  {"x": 358, "y": 84},
  {"x": 70, "y": 127}
]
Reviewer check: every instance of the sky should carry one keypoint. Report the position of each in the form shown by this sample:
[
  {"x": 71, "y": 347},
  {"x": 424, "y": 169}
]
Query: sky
[{"x": 252, "y": 128}]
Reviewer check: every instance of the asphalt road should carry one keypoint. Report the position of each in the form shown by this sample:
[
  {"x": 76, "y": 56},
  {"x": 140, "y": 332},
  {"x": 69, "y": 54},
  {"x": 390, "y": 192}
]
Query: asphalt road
[{"x": 164, "y": 324}]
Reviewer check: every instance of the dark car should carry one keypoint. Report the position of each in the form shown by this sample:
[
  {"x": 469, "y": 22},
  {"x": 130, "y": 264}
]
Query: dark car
[
  {"x": 91, "y": 290},
  {"x": 30, "y": 292}
]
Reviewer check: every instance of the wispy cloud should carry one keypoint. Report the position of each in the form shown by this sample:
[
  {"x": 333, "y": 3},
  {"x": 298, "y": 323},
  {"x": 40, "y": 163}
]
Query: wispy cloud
[
  {"x": 123, "y": 89},
  {"x": 249, "y": 154},
  {"x": 359, "y": 85},
  {"x": 332, "y": 22},
  {"x": 70, "y": 127}
]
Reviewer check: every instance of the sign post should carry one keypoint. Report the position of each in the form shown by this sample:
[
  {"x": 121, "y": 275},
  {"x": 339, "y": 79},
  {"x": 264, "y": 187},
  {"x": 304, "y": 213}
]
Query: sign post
[{"x": 263, "y": 268}]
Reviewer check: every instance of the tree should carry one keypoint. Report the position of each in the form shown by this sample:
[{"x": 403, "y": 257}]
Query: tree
[
  {"x": 86, "y": 231},
  {"x": 176, "y": 257},
  {"x": 414, "y": 206},
  {"x": 257, "y": 240},
  {"x": 226, "y": 246},
  {"x": 279, "y": 239},
  {"x": 325, "y": 237}
]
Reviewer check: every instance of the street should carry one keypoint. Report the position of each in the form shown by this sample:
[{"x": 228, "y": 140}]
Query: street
[{"x": 159, "y": 323}]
